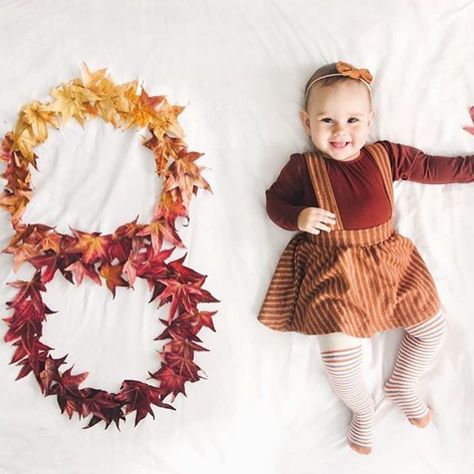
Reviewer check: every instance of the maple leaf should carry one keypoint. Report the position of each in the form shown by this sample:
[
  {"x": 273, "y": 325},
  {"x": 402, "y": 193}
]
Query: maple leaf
[
  {"x": 33, "y": 363},
  {"x": 93, "y": 246},
  {"x": 68, "y": 393},
  {"x": 37, "y": 118},
  {"x": 164, "y": 149},
  {"x": 50, "y": 373},
  {"x": 127, "y": 230},
  {"x": 159, "y": 230},
  {"x": 16, "y": 203},
  {"x": 51, "y": 241},
  {"x": 6, "y": 148},
  {"x": 50, "y": 262},
  {"x": 181, "y": 365},
  {"x": 80, "y": 270},
  {"x": 182, "y": 346},
  {"x": 101, "y": 404},
  {"x": 199, "y": 319},
  {"x": 21, "y": 253},
  {"x": 185, "y": 274},
  {"x": 22, "y": 351},
  {"x": 178, "y": 327},
  {"x": 151, "y": 265},
  {"x": 139, "y": 396},
  {"x": 470, "y": 129},
  {"x": 144, "y": 111},
  {"x": 179, "y": 294},
  {"x": 185, "y": 175},
  {"x": 110, "y": 97},
  {"x": 168, "y": 207},
  {"x": 71, "y": 100},
  {"x": 28, "y": 289},
  {"x": 90, "y": 79},
  {"x": 120, "y": 249},
  {"x": 166, "y": 122},
  {"x": 113, "y": 276},
  {"x": 170, "y": 381}
]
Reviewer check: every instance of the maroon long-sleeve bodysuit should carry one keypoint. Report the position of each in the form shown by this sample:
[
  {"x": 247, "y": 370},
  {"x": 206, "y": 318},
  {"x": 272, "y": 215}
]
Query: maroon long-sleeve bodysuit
[{"x": 358, "y": 185}]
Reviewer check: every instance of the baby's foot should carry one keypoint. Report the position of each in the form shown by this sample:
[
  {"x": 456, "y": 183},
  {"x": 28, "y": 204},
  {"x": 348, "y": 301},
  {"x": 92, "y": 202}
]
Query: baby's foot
[
  {"x": 360, "y": 449},
  {"x": 423, "y": 421},
  {"x": 360, "y": 432},
  {"x": 409, "y": 401}
]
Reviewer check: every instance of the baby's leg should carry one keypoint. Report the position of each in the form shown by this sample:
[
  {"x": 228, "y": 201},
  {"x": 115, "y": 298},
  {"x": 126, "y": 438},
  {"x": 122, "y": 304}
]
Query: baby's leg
[
  {"x": 417, "y": 351},
  {"x": 341, "y": 355}
]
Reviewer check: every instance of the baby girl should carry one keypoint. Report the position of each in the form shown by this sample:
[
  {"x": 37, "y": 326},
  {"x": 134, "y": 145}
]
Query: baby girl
[{"x": 349, "y": 274}]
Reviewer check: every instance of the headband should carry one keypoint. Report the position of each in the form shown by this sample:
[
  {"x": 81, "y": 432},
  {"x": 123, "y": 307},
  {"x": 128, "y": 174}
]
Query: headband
[{"x": 346, "y": 69}]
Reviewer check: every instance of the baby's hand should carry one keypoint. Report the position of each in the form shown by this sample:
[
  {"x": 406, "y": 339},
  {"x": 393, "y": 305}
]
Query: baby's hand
[{"x": 314, "y": 219}]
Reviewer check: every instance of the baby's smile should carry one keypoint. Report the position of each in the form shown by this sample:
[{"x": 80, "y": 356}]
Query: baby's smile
[{"x": 339, "y": 145}]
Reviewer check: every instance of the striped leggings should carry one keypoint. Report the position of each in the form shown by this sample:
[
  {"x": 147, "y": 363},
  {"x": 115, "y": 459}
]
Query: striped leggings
[{"x": 341, "y": 355}]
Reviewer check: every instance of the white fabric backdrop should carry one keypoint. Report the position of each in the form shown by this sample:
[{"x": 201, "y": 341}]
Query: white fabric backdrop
[{"x": 239, "y": 67}]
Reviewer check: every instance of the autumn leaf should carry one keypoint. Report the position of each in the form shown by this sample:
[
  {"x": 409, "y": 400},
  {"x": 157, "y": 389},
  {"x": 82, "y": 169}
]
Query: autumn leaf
[
  {"x": 182, "y": 346},
  {"x": 470, "y": 129},
  {"x": 170, "y": 381},
  {"x": 50, "y": 262},
  {"x": 80, "y": 270},
  {"x": 127, "y": 230},
  {"x": 169, "y": 208},
  {"x": 50, "y": 372},
  {"x": 144, "y": 111},
  {"x": 93, "y": 246},
  {"x": 139, "y": 396},
  {"x": 16, "y": 203},
  {"x": 21, "y": 253},
  {"x": 181, "y": 365},
  {"x": 185, "y": 175},
  {"x": 164, "y": 148},
  {"x": 179, "y": 294},
  {"x": 113, "y": 276},
  {"x": 71, "y": 100},
  {"x": 36, "y": 117},
  {"x": 159, "y": 230},
  {"x": 199, "y": 319}
]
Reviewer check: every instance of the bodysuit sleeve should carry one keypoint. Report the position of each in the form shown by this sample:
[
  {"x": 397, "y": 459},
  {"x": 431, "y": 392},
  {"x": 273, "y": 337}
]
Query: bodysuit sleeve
[
  {"x": 284, "y": 197},
  {"x": 410, "y": 163}
]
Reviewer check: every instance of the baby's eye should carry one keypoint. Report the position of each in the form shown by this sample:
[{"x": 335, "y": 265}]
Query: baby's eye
[
  {"x": 354, "y": 119},
  {"x": 325, "y": 119}
]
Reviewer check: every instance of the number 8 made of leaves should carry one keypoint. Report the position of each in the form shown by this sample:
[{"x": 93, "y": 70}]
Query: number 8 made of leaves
[{"x": 133, "y": 251}]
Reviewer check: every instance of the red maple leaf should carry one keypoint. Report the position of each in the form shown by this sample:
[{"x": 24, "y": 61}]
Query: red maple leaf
[
  {"x": 170, "y": 381},
  {"x": 138, "y": 396},
  {"x": 470, "y": 129}
]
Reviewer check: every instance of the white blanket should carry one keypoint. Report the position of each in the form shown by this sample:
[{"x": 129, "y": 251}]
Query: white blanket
[{"x": 239, "y": 67}]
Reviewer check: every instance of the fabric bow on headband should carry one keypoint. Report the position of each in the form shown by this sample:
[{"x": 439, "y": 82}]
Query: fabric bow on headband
[{"x": 347, "y": 69}]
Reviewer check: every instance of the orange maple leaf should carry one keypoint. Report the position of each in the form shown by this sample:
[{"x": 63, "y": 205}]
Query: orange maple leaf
[
  {"x": 113, "y": 276},
  {"x": 159, "y": 230},
  {"x": 185, "y": 175},
  {"x": 93, "y": 246}
]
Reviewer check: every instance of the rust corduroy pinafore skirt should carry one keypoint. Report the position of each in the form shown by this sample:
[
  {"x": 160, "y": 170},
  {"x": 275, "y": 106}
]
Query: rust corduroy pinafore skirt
[{"x": 359, "y": 282}]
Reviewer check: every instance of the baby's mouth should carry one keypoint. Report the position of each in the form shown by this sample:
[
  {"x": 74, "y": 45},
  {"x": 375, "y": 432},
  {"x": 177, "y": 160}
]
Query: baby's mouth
[{"x": 338, "y": 145}]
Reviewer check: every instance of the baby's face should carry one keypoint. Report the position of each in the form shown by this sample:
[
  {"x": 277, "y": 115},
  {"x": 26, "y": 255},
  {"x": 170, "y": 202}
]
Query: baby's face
[{"x": 338, "y": 119}]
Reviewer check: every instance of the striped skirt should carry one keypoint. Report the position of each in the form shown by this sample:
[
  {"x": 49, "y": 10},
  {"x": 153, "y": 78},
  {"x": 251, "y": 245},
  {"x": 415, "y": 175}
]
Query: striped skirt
[{"x": 359, "y": 282}]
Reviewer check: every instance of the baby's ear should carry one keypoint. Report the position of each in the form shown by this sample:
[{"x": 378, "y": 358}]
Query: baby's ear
[
  {"x": 304, "y": 117},
  {"x": 371, "y": 117}
]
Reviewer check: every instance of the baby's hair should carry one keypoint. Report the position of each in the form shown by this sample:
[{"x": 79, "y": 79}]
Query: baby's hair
[{"x": 323, "y": 71}]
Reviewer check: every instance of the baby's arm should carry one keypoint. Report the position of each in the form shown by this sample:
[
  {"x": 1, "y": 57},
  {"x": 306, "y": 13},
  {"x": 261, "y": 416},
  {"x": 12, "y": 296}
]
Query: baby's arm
[
  {"x": 410, "y": 163},
  {"x": 284, "y": 197}
]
